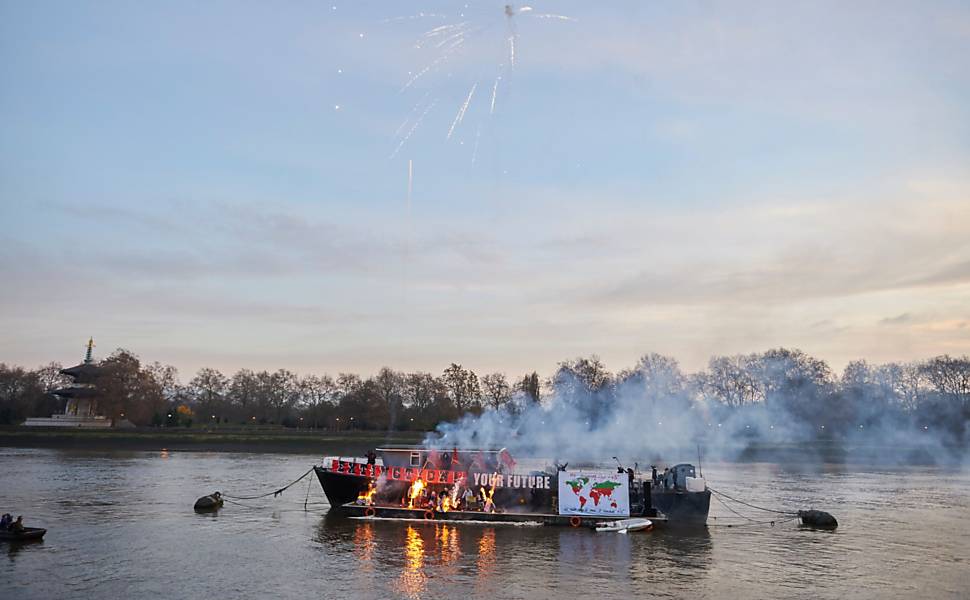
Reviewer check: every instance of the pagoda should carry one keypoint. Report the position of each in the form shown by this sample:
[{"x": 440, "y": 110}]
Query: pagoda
[{"x": 81, "y": 407}]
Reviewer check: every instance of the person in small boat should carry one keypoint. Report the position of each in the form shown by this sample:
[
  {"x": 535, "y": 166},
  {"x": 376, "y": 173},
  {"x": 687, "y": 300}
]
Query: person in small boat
[
  {"x": 5, "y": 521},
  {"x": 18, "y": 525}
]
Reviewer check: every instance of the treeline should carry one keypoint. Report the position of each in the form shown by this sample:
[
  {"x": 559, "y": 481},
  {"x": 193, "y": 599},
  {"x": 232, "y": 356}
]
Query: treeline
[{"x": 788, "y": 385}]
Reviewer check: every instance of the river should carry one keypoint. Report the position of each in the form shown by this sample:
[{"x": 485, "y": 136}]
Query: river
[{"x": 121, "y": 525}]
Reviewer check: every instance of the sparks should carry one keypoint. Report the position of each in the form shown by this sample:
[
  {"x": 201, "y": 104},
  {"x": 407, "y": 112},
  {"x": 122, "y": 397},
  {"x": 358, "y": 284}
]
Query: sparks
[{"x": 461, "y": 111}]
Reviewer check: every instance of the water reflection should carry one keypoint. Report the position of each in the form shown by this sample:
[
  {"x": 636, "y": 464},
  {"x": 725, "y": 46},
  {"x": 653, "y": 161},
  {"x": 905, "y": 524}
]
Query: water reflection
[
  {"x": 486, "y": 556},
  {"x": 413, "y": 579},
  {"x": 448, "y": 540},
  {"x": 364, "y": 545}
]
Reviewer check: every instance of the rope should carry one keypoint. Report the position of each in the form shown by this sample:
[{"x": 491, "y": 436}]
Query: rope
[
  {"x": 274, "y": 493},
  {"x": 309, "y": 484},
  {"x": 772, "y": 523},
  {"x": 780, "y": 512},
  {"x": 731, "y": 508}
]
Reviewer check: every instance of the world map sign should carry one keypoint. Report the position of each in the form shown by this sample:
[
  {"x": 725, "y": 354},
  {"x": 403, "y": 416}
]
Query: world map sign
[{"x": 594, "y": 494}]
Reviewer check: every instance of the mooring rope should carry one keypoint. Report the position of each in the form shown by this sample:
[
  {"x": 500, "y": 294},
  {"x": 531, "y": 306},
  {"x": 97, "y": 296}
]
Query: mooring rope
[
  {"x": 731, "y": 508},
  {"x": 274, "y": 493},
  {"x": 780, "y": 512},
  {"x": 772, "y": 523}
]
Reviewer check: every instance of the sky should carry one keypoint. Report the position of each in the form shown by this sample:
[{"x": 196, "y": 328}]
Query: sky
[{"x": 338, "y": 186}]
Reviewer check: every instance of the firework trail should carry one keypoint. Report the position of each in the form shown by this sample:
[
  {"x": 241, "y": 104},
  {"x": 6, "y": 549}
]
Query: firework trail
[
  {"x": 491, "y": 109},
  {"x": 420, "y": 15},
  {"x": 414, "y": 111},
  {"x": 478, "y": 135},
  {"x": 414, "y": 128},
  {"x": 461, "y": 111},
  {"x": 447, "y": 40}
]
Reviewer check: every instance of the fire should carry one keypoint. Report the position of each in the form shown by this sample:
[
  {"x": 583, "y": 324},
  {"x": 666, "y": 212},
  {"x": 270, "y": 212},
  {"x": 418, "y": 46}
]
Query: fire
[
  {"x": 368, "y": 496},
  {"x": 415, "y": 491},
  {"x": 446, "y": 504},
  {"x": 487, "y": 504}
]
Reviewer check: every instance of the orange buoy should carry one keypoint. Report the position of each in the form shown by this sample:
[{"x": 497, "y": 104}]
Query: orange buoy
[
  {"x": 429, "y": 515},
  {"x": 575, "y": 521},
  {"x": 369, "y": 511}
]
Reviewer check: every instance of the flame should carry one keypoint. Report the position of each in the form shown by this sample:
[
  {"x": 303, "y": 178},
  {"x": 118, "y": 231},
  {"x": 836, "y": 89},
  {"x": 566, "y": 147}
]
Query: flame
[
  {"x": 487, "y": 499},
  {"x": 415, "y": 491},
  {"x": 446, "y": 504},
  {"x": 368, "y": 496}
]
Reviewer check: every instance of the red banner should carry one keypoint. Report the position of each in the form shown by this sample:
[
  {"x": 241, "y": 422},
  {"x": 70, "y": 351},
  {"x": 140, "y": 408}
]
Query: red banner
[{"x": 397, "y": 473}]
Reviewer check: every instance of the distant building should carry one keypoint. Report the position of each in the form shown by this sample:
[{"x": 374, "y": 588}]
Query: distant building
[{"x": 81, "y": 406}]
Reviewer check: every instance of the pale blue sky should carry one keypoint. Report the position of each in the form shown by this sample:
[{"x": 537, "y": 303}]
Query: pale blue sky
[{"x": 690, "y": 178}]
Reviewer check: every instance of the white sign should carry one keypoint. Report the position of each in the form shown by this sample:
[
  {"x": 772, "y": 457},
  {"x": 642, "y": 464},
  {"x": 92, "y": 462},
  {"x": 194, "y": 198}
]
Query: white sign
[{"x": 594, "y": 494}]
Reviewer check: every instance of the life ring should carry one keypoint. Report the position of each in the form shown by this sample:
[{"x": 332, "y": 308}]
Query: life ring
[
  {"x": 369, "y": 511},
  {"x": 429, "y": 515},
  {"x": 575, "y": 521}
]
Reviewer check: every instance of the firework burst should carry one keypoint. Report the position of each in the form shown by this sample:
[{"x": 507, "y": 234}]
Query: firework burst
[{"x": 460, "y": 46}]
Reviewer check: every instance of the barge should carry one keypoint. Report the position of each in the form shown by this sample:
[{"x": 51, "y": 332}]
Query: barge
[{"x": 485, "y": 485}]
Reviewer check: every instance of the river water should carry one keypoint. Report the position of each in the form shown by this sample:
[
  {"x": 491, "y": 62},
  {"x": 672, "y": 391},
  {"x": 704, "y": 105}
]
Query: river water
[{"x": 121, "y": 525}]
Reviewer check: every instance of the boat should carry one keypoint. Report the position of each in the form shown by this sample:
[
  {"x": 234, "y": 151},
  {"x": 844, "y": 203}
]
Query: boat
[
  {"x": 485, "y": 485},
  {"x": 625, "y": 525},
  {"x": 29, "y": 533}
]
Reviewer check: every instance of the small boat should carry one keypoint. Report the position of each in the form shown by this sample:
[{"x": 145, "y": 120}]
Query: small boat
[
  {"x": 625, "y": 525},
  {"x": 29, "y": 533}
]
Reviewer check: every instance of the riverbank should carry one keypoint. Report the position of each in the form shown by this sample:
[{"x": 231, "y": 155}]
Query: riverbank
[{"x": 198, "y": 440}]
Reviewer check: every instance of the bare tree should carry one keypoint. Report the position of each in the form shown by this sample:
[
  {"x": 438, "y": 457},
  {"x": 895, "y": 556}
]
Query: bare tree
[
  {"x": 463, "y": 387},
  {"x": 50, "y": 377},
  {"x": 496, "y": 390},
  {"x": 208, "y": 389},
  {"x": 730, "y": 381}
]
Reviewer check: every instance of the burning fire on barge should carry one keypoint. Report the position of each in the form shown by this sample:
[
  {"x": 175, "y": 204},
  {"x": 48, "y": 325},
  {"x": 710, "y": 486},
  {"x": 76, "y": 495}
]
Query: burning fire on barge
[{"x": 418, "y": 482}]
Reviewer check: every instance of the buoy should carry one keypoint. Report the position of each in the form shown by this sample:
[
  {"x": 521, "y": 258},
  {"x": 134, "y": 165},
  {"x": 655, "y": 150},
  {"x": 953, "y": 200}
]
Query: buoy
[
  {"x": 429, "y": 515},
  {"x": 575, "y": 521},
  {"x": 369, "y": 511},
  {"x": 211, "y": 502},
  {"x": 818, "y": 518}
]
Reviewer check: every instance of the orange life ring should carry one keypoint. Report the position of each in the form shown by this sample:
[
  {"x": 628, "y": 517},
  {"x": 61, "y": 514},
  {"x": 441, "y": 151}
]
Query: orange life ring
[
  {"x": 429, "y": 515},
  {"x": 575, "y": 521},
  {"x": 369, "y": 511}
]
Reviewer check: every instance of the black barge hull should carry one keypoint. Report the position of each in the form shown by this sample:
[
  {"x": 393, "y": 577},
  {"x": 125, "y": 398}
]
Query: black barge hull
[
  {"x": 341, "y": 488},
  {"x": 684, "y": 508}
]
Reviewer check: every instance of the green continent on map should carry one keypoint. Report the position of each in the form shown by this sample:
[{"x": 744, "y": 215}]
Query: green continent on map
[
  {"x": 577, "y": 484},
  {"x": 603, "y": 488}
]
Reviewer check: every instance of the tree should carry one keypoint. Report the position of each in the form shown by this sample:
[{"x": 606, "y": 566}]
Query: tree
[
  {"x": 50, "y": 377},
  {"x": 21, "y": 393},
  {"x": 659, "y": 380},
  {"x": 496, "y": 390},
  {"x": 530, "y": 386},
  {"x": 244, "y": 394},
  {"x": 587, "y": 386},
  {"x": 281, "y": 393},
  {"x": 388, "y": 385},
  {"x": 317, "y": 398},
  {"x": 949, "y": 377},
  {"x": 126, "y": 391},
  {"x": 462, "y": 386},
  {"x": 208, "y": 389},
  {"x": 730, "y": 381},
  {"x": 426, "y": 401}
]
